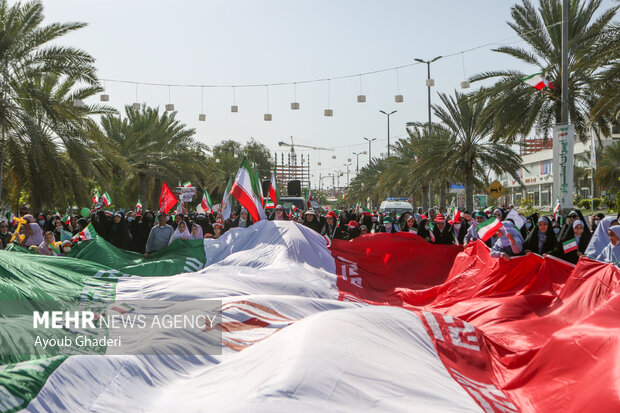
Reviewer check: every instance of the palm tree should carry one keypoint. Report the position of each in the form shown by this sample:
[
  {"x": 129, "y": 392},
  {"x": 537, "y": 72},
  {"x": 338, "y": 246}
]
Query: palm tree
[
  {"x": 25, "y": 54},
  {"x": 517, "y": 108},
  {"x": 154, "y": 147},
  {"x": 607, "y": 173},
  {"x": 50, "y": 158},
  {"x": 467, "y": 154}
]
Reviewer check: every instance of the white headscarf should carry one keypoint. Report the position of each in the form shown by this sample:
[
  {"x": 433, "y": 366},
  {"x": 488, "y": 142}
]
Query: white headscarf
[
  {"x": 199, "y": 234},
  {"x": 180, "y": 235},
  {"x": 600, "y": 239},
  {"x": 611, "y": 253}
]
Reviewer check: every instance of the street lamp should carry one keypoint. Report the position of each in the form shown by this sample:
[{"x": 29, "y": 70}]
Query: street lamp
[
  {"x": 347, "y": 165},
  {"x": 357, "y": 155},
  {"x": 369, "y": 148},
  {"x": 429, "y": 82},
  {"x": 388, "y": 131}
]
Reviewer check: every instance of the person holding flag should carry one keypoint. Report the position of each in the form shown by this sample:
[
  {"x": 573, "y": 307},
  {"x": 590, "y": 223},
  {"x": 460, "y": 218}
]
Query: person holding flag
[
  {"x": 138, "y": 206},
  {"x": 509, "y": 242},
  {"x": 573, "y": 242},
  {"x": 48, "y": 246}
]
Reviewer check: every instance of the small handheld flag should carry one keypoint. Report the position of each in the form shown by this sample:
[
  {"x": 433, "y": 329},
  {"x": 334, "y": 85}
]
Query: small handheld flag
[
  {"x": 206, "y": 204},
  {"x": 556, "y": 210},
  {"x": 96, "y": 197},
  {"x": 570, "y": 245},
  {"x": 488, "y": 228},
  {"x": 107, "y": 199},
  {"x": 138, "y": 206}
]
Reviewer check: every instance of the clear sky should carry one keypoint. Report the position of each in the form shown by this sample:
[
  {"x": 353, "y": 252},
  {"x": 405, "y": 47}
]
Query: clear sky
[{"x": 259, "y": 42}]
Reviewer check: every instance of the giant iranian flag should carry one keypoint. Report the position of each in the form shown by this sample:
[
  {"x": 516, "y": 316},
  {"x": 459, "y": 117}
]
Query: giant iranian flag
[
  {"x": 386, "y": 322},
  {"x": 245, "y": 189}
]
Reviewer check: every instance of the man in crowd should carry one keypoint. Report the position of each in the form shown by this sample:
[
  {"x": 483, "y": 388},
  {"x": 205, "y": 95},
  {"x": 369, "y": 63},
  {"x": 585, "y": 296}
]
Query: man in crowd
[{"x": 159, "y": 236}]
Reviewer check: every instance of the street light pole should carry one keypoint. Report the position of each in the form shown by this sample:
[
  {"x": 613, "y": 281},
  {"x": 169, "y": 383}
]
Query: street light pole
[
  {"x": 388, "y": 127},
  {"x": 429, "y": 83},
  {"x": 357, "y": 155},
  {"x": 347, "y": 165},
  {"x": 369, "y": 148}
]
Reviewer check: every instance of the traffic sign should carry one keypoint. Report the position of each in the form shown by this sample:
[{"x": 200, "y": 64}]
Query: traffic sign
[{"x": 496, "y": 189}]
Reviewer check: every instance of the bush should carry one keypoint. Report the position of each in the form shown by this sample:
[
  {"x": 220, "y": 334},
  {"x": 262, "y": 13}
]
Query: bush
[
  {"x": 527, "y": 207},
  {"x": 617, "y": 201},
  {"x": 585, "y": 203}
]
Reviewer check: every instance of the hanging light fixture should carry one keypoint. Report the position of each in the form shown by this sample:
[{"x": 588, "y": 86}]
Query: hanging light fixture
[
  {"x": 234, "y": 108},
  {"x": 465, "y": 83},
  {"x": 104, "y": 97},
  {"x": 361, "y": 98},
  {"x": 398, "y": 98},
  {"x": 202, "y": 117},
  {"x": 169, "y": 106},
  {"x": 78, "y": 103},
  {"x": 328, "y": 112},
  {"x": 430, "y": 82},
  {"x": 136, "y": 105},
  {"x": 267, "y": 116},
  {"x": 294, "y": 103}
]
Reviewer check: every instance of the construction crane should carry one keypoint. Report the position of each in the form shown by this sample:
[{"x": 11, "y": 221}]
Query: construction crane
[{"x": 292, "y": 145}]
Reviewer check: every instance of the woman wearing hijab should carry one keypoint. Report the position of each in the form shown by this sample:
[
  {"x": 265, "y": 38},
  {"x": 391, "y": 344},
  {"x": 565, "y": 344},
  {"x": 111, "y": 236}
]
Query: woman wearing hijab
[
  {"x": 409, "y": 224},
  {"x": 541, "y": 240},
  {"x": 118, "y": 234},
  {"x": 196, "y": 231},
  {"x": 442, "y": 231},
  {"x": 243, "y": 220},
  {"x": 509, "y": 242},
  {"x": 45, "y": 247},
  {"x": 611, "y": 253},
  {"x": 33, "y": 235},
  {"x": 331, "y": 229},
  {"x": 312, "y": 221},
  {"x": 600, "y": 239},
  {"x": 180, "y": 233},
  {"x": 278, "y": 214},
  {"x": 581, "y": 238},
  {"x": 424, "y": 229}
]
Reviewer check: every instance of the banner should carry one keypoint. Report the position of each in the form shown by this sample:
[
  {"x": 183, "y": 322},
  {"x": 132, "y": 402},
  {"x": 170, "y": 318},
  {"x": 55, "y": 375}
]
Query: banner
[
  {"x": 563, "y": 163},
  {"x": 384, "y": 322}
]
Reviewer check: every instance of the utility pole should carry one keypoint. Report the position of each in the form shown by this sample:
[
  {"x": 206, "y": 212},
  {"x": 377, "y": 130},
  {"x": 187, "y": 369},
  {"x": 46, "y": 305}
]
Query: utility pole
[{"x": 347, "y": 165}]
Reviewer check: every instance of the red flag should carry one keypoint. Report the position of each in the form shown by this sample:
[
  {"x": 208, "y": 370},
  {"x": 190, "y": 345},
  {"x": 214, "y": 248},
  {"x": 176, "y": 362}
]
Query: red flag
[{"x": 167, "y": 200}]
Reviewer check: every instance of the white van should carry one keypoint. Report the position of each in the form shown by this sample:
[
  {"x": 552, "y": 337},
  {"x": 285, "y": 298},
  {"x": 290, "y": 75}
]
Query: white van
[{"x": 398, "y": 205}]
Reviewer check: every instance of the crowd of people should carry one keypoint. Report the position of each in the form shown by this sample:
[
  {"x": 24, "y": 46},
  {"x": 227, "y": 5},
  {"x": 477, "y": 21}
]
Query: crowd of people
[{"x": 147, "y": 232}]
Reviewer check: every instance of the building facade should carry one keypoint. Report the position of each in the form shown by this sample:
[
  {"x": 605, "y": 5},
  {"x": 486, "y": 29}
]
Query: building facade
[{"x": 536, "y": 173}]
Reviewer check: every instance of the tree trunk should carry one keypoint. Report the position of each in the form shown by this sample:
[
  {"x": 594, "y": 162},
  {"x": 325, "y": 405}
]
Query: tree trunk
[
  {"x": 469, "y": 188},
  {"x": 142, "y": 187},
  {"x": 442, "y": 196},
  {"x": 424, "y": 198},
  {"x": 430, "y": 194}
]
